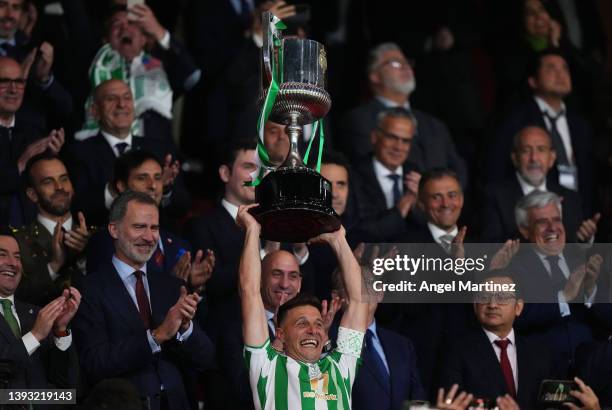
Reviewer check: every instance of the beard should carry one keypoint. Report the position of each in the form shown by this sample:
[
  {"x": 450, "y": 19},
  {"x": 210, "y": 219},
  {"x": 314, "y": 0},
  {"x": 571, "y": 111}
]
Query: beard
[
  {"x": 401, "y": 87},
  {"x": 534, "y": 176},
  {"x": 131, "y": 250},
  {"x": 59, "y": 208}
]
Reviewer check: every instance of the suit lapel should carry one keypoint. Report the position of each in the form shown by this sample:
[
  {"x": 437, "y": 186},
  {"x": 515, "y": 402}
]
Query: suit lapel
[
  {"x": 158, "y": 294},
  {"x": 118, "y": 296},
  {"x": 43, "y": 237},
  {"x": 395, "y": 375},
  {"x": 368, "y": 363},
  {"x": 26, "y": 316},
  {"x": 104, "y": 154},
  {"x": 489, "y": 364}
]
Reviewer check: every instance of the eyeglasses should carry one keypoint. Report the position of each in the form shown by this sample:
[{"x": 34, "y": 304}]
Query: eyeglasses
[
  {"x": 499, "y": 298},
  {"x": 394, "y": 138},
  {"x": 16, "y": 82},
  {"x": 397, "y": 64}
]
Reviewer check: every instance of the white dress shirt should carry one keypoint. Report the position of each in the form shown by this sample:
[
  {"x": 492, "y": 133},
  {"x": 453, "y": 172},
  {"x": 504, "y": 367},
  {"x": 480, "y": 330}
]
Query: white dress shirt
[
  {"x": 437, "y": 232},
  {"x": 49, "y": 225},
  {"x": 527, "y": 188},
  {"x": 30, "y": 342},
  {"x": 510, "y": 351},
  {"x": 386, "y": 184}
]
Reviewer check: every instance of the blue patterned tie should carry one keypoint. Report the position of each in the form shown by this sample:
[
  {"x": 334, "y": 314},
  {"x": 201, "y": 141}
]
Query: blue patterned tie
[{"x": 397, "y": 193}]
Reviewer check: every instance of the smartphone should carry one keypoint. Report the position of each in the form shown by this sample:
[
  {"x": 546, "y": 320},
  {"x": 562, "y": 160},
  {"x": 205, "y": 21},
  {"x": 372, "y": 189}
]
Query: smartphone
[{"x": 557, "y": 392}]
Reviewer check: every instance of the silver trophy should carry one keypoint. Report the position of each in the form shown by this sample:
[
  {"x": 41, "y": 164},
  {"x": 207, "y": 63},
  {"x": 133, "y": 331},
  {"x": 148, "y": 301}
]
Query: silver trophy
[{"x": 294, "y": 200}]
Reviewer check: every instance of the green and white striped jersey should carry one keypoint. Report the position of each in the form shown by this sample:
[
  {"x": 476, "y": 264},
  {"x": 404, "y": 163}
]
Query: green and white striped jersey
[{"x": 279, "y": 382}]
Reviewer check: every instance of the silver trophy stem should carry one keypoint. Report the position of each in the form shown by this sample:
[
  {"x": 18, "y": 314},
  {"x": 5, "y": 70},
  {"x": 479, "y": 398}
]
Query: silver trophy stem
[{"x": 294, "y": 130}]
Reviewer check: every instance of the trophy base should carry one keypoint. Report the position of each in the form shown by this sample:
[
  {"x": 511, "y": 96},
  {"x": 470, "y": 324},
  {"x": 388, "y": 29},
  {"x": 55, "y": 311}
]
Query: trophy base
[{"x": 294, "y": 205}]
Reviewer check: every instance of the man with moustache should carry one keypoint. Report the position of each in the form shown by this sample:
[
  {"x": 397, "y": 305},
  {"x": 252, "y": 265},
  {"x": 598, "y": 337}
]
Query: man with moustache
[
  {"x": 136, "y": 323},
  {"x": 21, "y": 138},
  {"x": 392, "y": 81},
  {"x": 53, "y": 246},
  {"x": 533, "y": 156},
  {"x": 91, "y": 161},
  {"x": 36, "y": 341}
]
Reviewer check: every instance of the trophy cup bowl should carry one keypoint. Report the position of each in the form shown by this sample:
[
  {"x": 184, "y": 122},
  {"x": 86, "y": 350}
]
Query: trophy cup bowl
[{"x": 294, "y": 200}]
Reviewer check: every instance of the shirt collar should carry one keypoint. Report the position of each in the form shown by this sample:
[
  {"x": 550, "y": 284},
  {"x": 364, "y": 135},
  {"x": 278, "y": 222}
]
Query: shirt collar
[
  {"x": 112, "y": 140},
  {"x": 11, "y": 298},
  {"x": 269, "y": 315},
  {"x": 527, "y": 188},
  {"x": 50, "y": 225},
  {"x": 124, "y": 270},
  {"x": 543, "y": 256},
  {"x": 390, "y": 103},
  {"x": 230, "y": 208},
  {"x": 372, "y": 328},
  {"x": 544, "y": 107},
  {"x": 493, "y": 337},
  {"x": 11, "y": 123},
  {"x": 10, "y": 41},
  {"x": 382, "y": 171},
  {"x": 437, "y": 232}
]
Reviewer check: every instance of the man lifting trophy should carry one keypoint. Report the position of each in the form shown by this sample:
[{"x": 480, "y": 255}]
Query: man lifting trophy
[{"x": 294, "y": 200}]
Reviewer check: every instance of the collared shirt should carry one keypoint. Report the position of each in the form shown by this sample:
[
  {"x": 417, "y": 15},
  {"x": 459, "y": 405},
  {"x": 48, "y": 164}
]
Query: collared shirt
[
  {"x": 386, "y": 184},
  {"x": 564, "y": 307},
  {"x": 126, "y": 274},
  {"x": 527, "y": 188},
  {"x": 390, "y": 103},
  {"x": 11, "y": 124},
  {"x": 49, "y": 225},
  {"x": 562, "y": 126},
  {"x": 377, "y": 345},
  {"x": 30, "y": 342},
  {"x": 230, "y": 208},
  {"x": 510, "y": 351},
  {"x": 437, "y": 232},
  {"x": 112, "y": 141}
]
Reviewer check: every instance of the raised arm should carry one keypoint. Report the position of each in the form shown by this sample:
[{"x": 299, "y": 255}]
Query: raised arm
[
  {"x": 254, "y": 323},
  {"x": 356, "y": 315}
]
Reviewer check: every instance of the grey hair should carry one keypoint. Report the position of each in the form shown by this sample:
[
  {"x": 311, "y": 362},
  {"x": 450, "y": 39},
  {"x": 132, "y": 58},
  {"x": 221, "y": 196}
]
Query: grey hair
[
  {"x": 119, "y": 206},
  {"x": 536, "y": 199},
  {"x": 395, "y": 112},
  {"x": 377, "y": 52}
]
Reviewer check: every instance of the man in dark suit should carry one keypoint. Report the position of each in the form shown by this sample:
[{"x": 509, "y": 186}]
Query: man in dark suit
[
  {"x": 571, "y": 135},
  {"x": 386, "y": 188},
  {"x": 558, "y": 285},
  {"x": 533, "y": 156},
  {"x": 91, "y": 161},
  {"x": 53, "y": 246},
  {"x": 389, "y": 375},
  {"x": 392, "y": 81},
  {"x": 494, "y": 361},
  {"x": 20, "y": 139},
  {"x": 35, "y": 341},
  {"x": 136, "y": 323},
  {"x": 141, "y": 171}
]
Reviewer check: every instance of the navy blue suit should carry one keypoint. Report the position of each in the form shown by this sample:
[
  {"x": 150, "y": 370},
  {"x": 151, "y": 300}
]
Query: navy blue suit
[
  {"x": 543, "y": 321},
  {"x": 112, "y": 340},
  {"x": 101, "y": 249},
  {"x": 472, "y": 364},
  {"x": 369, "y": 392}
]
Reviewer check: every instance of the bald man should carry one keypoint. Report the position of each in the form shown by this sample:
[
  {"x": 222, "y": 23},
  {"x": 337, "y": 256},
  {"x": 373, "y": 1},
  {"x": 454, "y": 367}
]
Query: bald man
[
  {"x": 532, "y": 156},
  {"x": 91, "y": 161}
]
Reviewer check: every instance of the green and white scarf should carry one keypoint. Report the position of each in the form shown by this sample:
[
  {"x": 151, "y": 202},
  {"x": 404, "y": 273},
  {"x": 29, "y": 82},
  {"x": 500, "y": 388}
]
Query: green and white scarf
[{"x": 146, "y": 78}]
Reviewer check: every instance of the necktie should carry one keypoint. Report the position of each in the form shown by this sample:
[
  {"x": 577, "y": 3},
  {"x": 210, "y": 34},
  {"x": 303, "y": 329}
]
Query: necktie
[
  {"x": 397, "y": 193},
  {"x": 557, "y": 276},
  {"x": 271, "y": 328},
  {"x": 143, "y": 302},
  {"x": 10, "y": 318},
  {"x": 505, "y": 366},
  {"x": 372, "y": 356},
  {"x": 555, "y": 136},
  {"x": 121, "y": 147},
  {"x": 446, "y": 241}
]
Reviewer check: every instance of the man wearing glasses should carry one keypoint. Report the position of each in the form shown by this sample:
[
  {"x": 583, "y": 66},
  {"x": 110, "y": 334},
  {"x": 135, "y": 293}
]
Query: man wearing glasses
[
  {"x": 392, "y": 81},
  {"x": 385, "y": 186},
  {"x": 494, "y": 361}
]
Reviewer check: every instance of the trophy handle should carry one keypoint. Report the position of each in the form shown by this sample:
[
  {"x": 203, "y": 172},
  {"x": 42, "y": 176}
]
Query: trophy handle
[{"x": 267, "y": 50}]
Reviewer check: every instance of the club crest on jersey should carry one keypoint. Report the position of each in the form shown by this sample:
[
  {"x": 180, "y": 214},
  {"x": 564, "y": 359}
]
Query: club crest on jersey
[{"x": 319, "y": 387}]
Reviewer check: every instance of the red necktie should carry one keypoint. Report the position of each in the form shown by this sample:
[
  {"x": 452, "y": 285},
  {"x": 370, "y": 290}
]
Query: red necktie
[
  {"x": 143, "y": 301},
  {"x": 505, "y": 366}
]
